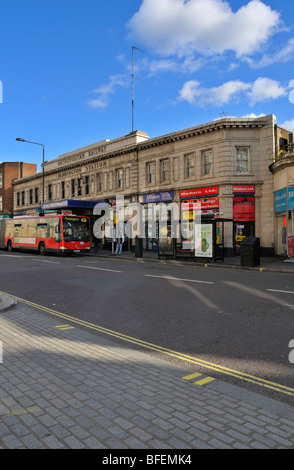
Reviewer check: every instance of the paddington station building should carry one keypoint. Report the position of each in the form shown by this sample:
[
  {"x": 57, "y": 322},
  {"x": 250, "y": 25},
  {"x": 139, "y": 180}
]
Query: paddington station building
[{"x": 241, "y": 169}]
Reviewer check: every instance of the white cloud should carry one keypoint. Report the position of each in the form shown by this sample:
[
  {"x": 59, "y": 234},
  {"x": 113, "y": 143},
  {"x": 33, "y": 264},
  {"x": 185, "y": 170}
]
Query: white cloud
[
  {"x": 282, "y": 56},
  {"x": 216, "y": 96},
  {"x": 205, "y": 26},
  {"x": 263, "y": 89},
  {"x": 105, "y": 90},
  {"x": 289, "y": 125}
]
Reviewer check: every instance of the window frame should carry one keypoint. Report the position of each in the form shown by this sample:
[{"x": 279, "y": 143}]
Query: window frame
[
  {"x": 164, "y": 174},
  {"x": 237, "y": 163},
  {"x": 204, "y": 154}
]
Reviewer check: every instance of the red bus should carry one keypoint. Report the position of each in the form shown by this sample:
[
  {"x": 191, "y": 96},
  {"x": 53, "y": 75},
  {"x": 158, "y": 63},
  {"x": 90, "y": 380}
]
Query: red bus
[{"x": 49, "y": 233}]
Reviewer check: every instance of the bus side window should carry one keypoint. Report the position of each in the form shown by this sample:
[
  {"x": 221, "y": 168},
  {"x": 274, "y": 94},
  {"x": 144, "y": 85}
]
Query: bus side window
[
  {"x": 17, "y": 230},
  {"x": 42, "y": 230}
]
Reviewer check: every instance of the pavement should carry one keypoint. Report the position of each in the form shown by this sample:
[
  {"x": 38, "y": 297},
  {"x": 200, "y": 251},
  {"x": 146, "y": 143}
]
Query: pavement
[
  {"x": 271, "y": 264},
  {"x": 64, "y": 387}
]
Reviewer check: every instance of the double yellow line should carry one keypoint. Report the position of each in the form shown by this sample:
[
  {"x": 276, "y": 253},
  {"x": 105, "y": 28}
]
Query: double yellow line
[{"x": 169, "y": 352}]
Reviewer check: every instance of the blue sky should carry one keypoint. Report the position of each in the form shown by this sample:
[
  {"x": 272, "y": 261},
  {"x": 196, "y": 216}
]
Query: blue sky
[{"x": 67, "y": 78}]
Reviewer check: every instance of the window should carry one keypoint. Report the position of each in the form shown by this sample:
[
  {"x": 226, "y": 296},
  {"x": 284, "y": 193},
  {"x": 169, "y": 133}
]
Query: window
[
  {"x": 31, "y": 196},
  {"x": 99, "y": 183},
  {"x": 73, "y": 188},
  {"x": 36, "y": 195},
  {"x": 207, "y": 162},
  {"x": 1, "y": 180},
  {"x": 80, "y": 182},
  {"x": 1, "y": 205},
  {"x": 150, "y": 173},
  {"x": 23, "y": 198},
  {"x": 164, "y": 167},
  {"x": 242, "y": 160},
  {"x": 50, "y": 192},
  {"x": 119, "y": 179},
  {"x": 18, "y": 199},
  {"x": 62, "y": 190},
  {"x": 189, "y": 165},
  {"x": 87, "y": 190}
]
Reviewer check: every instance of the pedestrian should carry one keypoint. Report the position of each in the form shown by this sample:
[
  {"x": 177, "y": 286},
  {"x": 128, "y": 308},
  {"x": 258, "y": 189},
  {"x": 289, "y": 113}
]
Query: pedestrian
[{"x": 119, "y": 243}]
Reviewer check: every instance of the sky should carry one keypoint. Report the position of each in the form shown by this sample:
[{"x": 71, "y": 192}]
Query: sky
[{"x": 66, "y": 69}]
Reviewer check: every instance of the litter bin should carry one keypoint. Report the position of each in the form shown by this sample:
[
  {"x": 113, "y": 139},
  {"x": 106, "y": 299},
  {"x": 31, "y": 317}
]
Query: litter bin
[
  {"x": 138, "y": 247},
  {"x": 250, "y": 252}
]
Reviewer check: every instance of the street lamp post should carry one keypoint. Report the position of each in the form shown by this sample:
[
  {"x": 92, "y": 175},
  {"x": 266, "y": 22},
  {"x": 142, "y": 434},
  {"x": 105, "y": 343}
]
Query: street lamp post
[{"x": 43, "y": 176}]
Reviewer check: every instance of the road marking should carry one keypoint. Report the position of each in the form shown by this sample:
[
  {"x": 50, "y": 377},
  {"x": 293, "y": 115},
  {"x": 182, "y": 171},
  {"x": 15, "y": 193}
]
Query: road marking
[
  {"x": 191, "y": 376},
  {"x": 14, "y": 256},
  {"x": 46, "y": 261},
  {"x": 99, "y": 269},
  {"x": 64, "y": 327},
  {"x": 169, "y": 352},
  {"x": 23, "y": 411},
  {"x": 203, "y": 381},
  {"x": 178, "y": 279},
  {"x": 284, "y": 291}
]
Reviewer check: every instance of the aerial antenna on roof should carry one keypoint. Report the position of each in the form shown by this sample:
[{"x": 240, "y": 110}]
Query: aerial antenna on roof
[{"x": 137, "y": 49}]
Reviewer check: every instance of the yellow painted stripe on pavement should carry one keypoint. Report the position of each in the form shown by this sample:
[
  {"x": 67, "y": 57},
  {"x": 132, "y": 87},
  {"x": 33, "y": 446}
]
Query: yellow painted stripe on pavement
[
  {"x": 64, "y": 327},
  {"x": 184, "y": 357},
  {"x": 204, "y": 381},
  {"x": 192, "y": 376}
]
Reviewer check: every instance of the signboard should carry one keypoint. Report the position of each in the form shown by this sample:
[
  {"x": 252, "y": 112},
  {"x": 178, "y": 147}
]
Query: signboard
[
  {"x": 156, "y": 197},
  {"x": 281, "y": 200},
  {"x": 291, "y": 199},
  {"x": 244, "y": 209},
  {"x": 203, "y": 240},
  {"x": 210, "y": 191},
  {"x": 290, "y": 246},
  {"x": 244, "y": 189}
]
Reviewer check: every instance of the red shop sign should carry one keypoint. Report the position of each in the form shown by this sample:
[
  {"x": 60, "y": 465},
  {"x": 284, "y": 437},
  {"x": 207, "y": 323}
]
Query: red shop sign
[
  {"x": 211, "y": 191},
  {"x": 290, "y": 246},
  {"x": 244, "y": 188},
  {"x": 244, "y": 209}
]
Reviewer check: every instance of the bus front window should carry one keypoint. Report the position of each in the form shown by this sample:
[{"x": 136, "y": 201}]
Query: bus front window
[{"x": 76, "y": 229}]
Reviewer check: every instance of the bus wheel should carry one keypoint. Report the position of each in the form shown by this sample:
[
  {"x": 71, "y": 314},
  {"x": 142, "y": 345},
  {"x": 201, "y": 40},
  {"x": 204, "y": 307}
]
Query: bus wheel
[
  {"x": 9, "y": 245},
  {"x": 42, "y": 249}
]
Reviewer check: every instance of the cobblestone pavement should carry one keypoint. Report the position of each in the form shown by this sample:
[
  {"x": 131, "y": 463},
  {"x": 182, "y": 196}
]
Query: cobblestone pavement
[{"x": 63, "y": 387}]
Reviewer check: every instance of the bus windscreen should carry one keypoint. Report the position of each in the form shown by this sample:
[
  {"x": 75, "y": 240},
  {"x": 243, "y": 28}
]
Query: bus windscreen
[{"x": 76, "y": 229}]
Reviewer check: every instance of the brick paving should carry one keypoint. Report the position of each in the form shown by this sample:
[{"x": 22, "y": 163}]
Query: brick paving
[{"x": 71, "y": 389}]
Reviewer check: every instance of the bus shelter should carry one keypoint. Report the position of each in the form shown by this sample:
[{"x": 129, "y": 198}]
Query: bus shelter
[{"x": 207, "y": 241}]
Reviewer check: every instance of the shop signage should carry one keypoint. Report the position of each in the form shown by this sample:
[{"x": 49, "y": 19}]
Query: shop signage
[
  {"x": 244, "y": 189},
  {"x": 203, "y": 240},
  {"x": 281, "y": 200},
  {"x": 290, "y": 246},
  {"x": 291, "y": 199},
  {"x": 211, "y": 191},
  {"x": 206, "y": 204},
  {"x": 157, "y": 197},
  {"x": 244, "y": 209}
]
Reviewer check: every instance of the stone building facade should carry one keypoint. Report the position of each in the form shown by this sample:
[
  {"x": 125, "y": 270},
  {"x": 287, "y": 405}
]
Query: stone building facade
[
  {"x": 283, "y": 173},
  {"x": 224, "y": 164}
]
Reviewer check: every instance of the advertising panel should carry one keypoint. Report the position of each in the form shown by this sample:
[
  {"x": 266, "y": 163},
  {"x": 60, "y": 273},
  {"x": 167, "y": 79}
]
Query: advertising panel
[
  {"x": 203, "y": 240},
  {"x": 244, "y": 209}
]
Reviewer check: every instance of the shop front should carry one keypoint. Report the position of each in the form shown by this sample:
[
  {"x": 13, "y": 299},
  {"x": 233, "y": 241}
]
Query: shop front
[
  {"x": 284, "y": 227},
  {"x": 191, "y": 200},
  {"x": 153, "y": 214},
  {"x": 243, "y": 214}
]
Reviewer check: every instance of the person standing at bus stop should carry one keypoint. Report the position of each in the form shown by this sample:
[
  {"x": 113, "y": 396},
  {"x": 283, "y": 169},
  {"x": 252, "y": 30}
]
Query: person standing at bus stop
[{"x": 119, "y": 243}]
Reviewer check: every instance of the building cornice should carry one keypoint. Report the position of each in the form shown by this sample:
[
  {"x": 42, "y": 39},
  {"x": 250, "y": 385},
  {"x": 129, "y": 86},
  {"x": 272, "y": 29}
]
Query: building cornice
[
  {"x": 214, "y": 126},
  {"x": 282, "y": 163}
]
